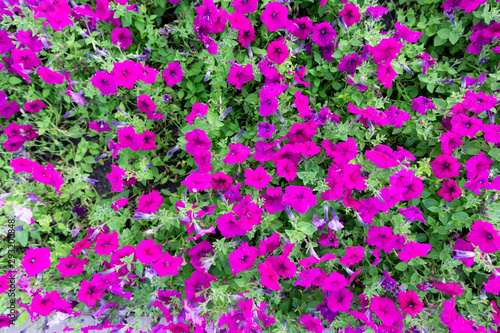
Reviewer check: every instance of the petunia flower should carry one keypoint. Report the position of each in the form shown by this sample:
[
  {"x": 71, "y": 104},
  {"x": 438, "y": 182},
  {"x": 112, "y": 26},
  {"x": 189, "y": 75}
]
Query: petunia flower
[
  {"x": 245, "y": 6},
  {"x": 312, "y": 324},
  {"x": 121, "y": 37},
  {"x": 464, "y": 247},
  {"x": 198, "y": 110},
  {"x": 239, "y": 75},
  {"x": 410, "y": 303},
  {"x": 257, "y": 178},
  {"x": 89, "y": 294},
  {"x": 274, "y": 16},
  {"x": 269, "y": 277},
  {"x": 265, "y": 130},
  {"x": 26, "y": 57},
  {"x": 168, "y": 265},
  {"x": 126, "y": 73},
  {"x": 445, "y": 166},
  {"x": 452, "y": 289},
  {"x": 36, "y": 260},
  {"x": 350, "y": 14},
  {"x": 403, "y": 32},
  {"x": 382, "y": 238},
  {"x": 352, "y": 177},
  {"x": 450, "y": 141},
  {"x": 386, "y": 50},
  {"x": 197, "y": 182},
  {"x": 450, "y": 190},
  {"x": 386, "y": 74},
  {"x": 300, "y": 198},
  {"x": 301, "y": 27},
  {"x": 49, "y": 76},
  {"x": 412, "y": 250},
  {"x": 173, "y": 74},
  {"x": 422, "y": 104},
  {"x": 484, "y": 235},
  {"x": 277, "y": 51},
  {"x": 237, "y": 153},
  {"x": 105, "y": 82},
  {"x": 412, "y": 213},
  {"x": 353, "y": 255},
  {"x": 242, "y": 258},
  {"x": 100, "y": 126},
  {"x": 350, "y": 62},
  {"x": 376, "y": 12},
  {"x": 197, "y": 138},
  {"x": 340, "y": 300},
  {"x": 283, "y": 266},
  {"x": 71, "y": 266},
  {"x": 106, "y": 243},
  {"x": 45, "y": 305},
  {"x": 382, "y": 156},
  {"x": 148, "y": 252},
  {"x": 385, "y": 309},
  {"x": 426, "y": 62},
  {"x": 465, "y": 125},
  {"x": 323, "y": 34}
]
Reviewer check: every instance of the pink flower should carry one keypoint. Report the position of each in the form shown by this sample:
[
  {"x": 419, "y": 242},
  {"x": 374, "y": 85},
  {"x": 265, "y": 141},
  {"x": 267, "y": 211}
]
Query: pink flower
[
  {"x": 221, "y": 181},
  {"x": 121, "y": 37},
  {"x": 452, "y": 289},
  {"x": 196, "y": 285},
  {"x": 265, "y": 130},
  {"x": 323, "y": 34},
  {"x": 272, "y": 200},
  {"x": 461, "y": 245},
  {"x": 412, "y": 213},
  {"x": 237, "y": 153},
  {"x": 403, "y": 32},
  {"x": 350, "y": 62},
  {"x": 168, "y": 265},
  {"x": 386, "y": 74},
  {"x": 197, "y": 182},
  {"x": 340, "y": 300},
  {"x": 243, "y": 258},
  {"x": 386, "y": 50},
  {"x": 197, "y": 138},
  {"x": 147, "y": 251},
  {"x": 422, "y": 104},
  {"x": 352, "y": 177},
  {"x": 350, "y": 14},
  {"x": 269, "y": 277},
  {"x": 128, "y": 138},
  {"x": 26, "y": 57},
  {"x": 277, "y": 51},
  {"x": 274, "y": 16},
  {"x": 36, "y": 260},
  {"x": 385, "y": 309},
  {"x": 466, "y": 126},
  {"x": 484, "y": 235},
  {"x": 478, "y": 102},
  {"x": 71, "y": 266},
  {"x": 410, "y": 303},
  {"x": 199, "y": 109},
  {"x": 145, "y": 104},
  {"x": 412, "y": 250},
  {"x": 300, "y": 198},
  {"x": 49, "y": 303},
  {"x": 382, "y": 238},
  {"x": 230, "y": 227},
  {"x": 239, "y": 75},
  {"x": 173, "y": 74},
  {"x": 450, "y": 190},
  {"x": 312, "y": 324},
  {"x": 301, "y": 27},
  {"x": 382, "y": 156},
  {"x": 353, "y": 255},
  {"x": 445, "y": 166},
  {"x": 89, "y": 294},
  {"x": 105, "y": 82},
  {"x": 49, "y": 76},
  {"x": 245, "y": 6},
  {"x": 126, "y": 73},
  {"x": 257, "y": 178},
  {"x": 106, "y": 243}
]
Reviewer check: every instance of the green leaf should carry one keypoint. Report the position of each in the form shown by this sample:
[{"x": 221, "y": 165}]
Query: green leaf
[
  {"x": 307, "y": 228},
  {"x": 444, "y": 33},
  {"x": 402, "y": 266},
  {"x": 22, "y": 237}
]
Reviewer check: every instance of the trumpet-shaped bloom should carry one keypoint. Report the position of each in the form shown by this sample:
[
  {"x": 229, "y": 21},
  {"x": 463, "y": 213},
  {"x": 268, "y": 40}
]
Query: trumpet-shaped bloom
[
  {"x": 386, "y": 50},
  {"x": 239, "y": 75},
  {"x": 323, "y": 33},
  {"x": 300, "y": 198},
  {"x": 410, "y": 303},
  {"x": 274, "y": 16},
  {"x": 445, "y": 166},
  {"x": 413, "y": 250},
  {"x": 484, "y": 235},
  {"x": 36, "y": 260},
  {"x": 173, "y": 74},
  {"x": 257, "y": 178},
  {"x": 277, "y": 51}
]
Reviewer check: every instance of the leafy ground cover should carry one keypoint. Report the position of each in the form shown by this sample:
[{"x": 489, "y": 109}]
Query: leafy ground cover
[{"x": 250, "y": 166}]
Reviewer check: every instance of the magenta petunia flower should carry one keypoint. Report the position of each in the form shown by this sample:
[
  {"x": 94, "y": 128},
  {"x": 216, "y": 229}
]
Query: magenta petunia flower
[
  {"x": 36, "y": 260},
  {"x": 221, "y": 181},
  {"x": 301, "y": 102},
  {"x": 145, "y": 104},
  {"x": 422, "y": 104},
  {"x": 105, "y": 82},
  {"x": 353, "y": 255},
  {"x": 301, "y": 27},
  {"x": 106, "y": 243},
  {"x": 197, "y": 286},
  {"x": 246, "y": 35},
  {"x": 45, "y": 305},
  {"x": 265, "y": 130},
  {"x": 269, "y": 277},
  {"x": 230, "y": 227},
  {"x": 323, "y": 33},
  {"x": 149, "y": 74},
  {"x": 352, "y": 177},
  {"x": 412, "y": 213},
  {"x": 197, "y": 138},
  {"x": 376, "y": 12},
  {"x": 26, "y": 57},
  {"x": 413, "y": 250},
  {"x": 403, "y": 32},
  {"x": 312, "y": 324},
  {"x": 122, "y": 37},
  {"x": 450, "y": 190},
  {"x": 168, "y": 265},
  {"x": 300, "y": 198},
  {"x": 257, "y": 178},
  {"x": 410, "y": 303},
  {"x": 382, "y": 156},
  {"x": 386, "y": 74},
  {"x": 274, "y": 16},
  {"x": 89, "y": 294},
  {"x": 382, "y": 238},
  {"x": 340, "y": 300},
  {"x": 350, "y": 14},
  {"x": 350, "y": 62},
  {"x": 451, "y": 288},
  {"x": 478, "y": 102},
  {"x": 71, "y": 266},
  {"x": 128, "y": 138},
  {"x": 478, "y": 165},
  {"x": 385, "y": 309},
  {"x": 49, "y": 76},
  {"x": 239, "y": 75},
  {"x": 272, "y": 200},
  {"x": 203, "y": 159},
  {"x": 386, "y": 50},
  {"x": 463, "y": 246},
  {"x": 173, "y": 74},
  {"x": 126, "y": 73},
  {"x": 242, "y": 258},
  {"x": 445, "y": 166},
  {"x": 237, "y": 153},
  {"x": 466, "y": 126},
  {"x": 282, "y": 265},
  {"x": 99, "y": 126},
  {"x": 277, "y": 51},
  {"x": 147, "y": 251},
  {"x": 484, "y": 235},
  {"x": 245, "y": 6},
  {"x": 197, "y": 182},
  {"x": 198, "y": 110}
]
